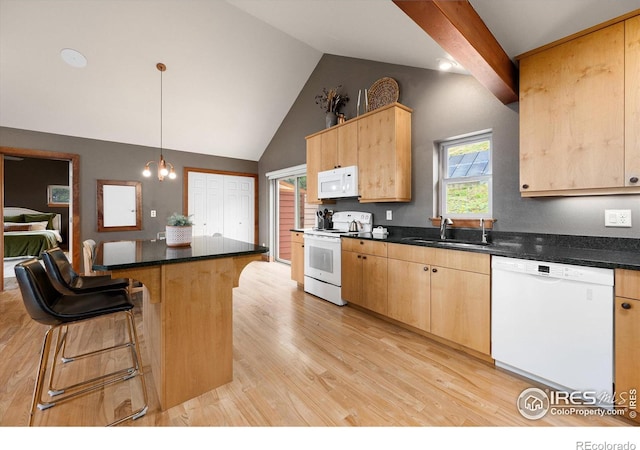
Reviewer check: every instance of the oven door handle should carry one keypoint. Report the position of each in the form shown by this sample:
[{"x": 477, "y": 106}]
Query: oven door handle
[{"x": 325, "y": 239}]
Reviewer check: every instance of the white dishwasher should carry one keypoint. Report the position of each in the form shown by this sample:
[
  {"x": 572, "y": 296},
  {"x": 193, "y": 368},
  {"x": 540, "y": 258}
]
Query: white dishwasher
[{"x": 553, "y": 323}]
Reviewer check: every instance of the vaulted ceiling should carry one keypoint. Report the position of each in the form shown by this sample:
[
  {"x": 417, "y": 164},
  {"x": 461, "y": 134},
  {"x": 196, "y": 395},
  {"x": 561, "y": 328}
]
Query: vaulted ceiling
[{"x": 234, "y": 67}]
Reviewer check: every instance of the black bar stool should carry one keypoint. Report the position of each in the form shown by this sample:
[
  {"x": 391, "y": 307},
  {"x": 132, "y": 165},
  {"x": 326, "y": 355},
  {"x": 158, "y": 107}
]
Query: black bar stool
[
  {"x": 65, "y": 278},
  {"x": 47, "y": 305}
]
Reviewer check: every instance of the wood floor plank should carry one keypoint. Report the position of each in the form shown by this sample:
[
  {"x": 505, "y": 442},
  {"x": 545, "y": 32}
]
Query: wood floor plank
[{"x": 298, "y": 361}]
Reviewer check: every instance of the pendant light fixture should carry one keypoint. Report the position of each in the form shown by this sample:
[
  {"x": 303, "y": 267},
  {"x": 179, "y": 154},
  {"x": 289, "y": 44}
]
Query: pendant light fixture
[{"x": 163, "y": 166}]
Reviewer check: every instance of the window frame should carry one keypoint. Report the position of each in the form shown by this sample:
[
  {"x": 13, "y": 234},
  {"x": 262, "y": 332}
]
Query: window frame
[{"x": 444, "y": 180}]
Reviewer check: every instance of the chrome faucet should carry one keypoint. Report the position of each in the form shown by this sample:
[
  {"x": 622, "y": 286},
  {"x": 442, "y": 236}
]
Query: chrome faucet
[
  {"x": 443, "y": 226},
  {"x": 484, "y": 232}
]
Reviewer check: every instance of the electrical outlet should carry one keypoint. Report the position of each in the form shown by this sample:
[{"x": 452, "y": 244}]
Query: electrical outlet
[
  {"x": 617, "y": 218},
  {"x": 389, "y": 214},
  {"x": 153, "y": 213}
]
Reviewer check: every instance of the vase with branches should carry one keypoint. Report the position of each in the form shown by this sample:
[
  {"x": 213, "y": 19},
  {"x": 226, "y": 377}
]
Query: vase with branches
[{"x": 331, "y": 100}]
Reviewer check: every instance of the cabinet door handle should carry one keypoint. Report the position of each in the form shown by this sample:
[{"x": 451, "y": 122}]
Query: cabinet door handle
[
  {"x": 633, "y": 180},
  {"x": 434, "y": 270},
  {"x": 626, "y": 305},
  {"x": 425, "y": 268},
  {"x": 364, "y": 257},
  {"x": 525, "y": 186},
  {"x": 359, "y": 256}
]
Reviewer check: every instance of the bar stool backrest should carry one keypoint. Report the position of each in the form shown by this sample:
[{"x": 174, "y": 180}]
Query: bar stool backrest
[
  {"x": 38, "y": 293},
  {"x": 88, "y": 253},
  {"x": 59, "y": 268}
]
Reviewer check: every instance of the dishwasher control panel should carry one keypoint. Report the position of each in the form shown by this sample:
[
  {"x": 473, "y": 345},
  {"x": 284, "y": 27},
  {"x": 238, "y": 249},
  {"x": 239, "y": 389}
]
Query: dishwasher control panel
[{"x": 585, "y": 274}]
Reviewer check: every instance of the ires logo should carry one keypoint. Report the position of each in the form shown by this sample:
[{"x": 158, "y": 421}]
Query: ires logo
[
  {"x": 628, "y": 400},
  {"x": 534, "y": 403}
]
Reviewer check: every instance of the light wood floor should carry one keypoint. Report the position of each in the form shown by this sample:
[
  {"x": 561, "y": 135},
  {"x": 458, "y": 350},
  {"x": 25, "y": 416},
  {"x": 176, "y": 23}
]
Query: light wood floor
[{"x": 298, "y": 361}]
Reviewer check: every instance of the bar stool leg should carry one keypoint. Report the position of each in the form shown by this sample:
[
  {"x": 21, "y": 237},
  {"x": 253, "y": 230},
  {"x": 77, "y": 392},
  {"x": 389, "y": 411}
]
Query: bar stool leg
[{"x": 42, "y": 368}]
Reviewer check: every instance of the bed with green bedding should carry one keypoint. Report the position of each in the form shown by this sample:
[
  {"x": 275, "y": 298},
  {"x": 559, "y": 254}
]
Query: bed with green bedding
[
  {"x": 28, "y": 243},
  {"x": 28, "y": 232}
]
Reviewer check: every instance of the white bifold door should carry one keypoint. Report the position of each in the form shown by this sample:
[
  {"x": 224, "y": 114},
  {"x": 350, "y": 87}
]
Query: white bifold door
[{"x": 223, "y": 204}]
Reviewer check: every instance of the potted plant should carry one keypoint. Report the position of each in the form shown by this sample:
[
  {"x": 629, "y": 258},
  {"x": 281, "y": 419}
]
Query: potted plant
[
  {"x": 179, "y": 230},
  {"x": 331, "y": 101}
]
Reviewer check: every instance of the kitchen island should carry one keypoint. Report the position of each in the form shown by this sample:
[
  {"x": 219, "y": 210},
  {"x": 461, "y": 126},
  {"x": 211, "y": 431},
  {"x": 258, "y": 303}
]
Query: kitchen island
[{"x": 187, "y": 311}]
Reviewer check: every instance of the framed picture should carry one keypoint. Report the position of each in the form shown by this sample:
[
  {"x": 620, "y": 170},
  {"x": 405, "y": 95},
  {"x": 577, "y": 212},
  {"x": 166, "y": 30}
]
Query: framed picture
[{"x": 58, "y": 195}]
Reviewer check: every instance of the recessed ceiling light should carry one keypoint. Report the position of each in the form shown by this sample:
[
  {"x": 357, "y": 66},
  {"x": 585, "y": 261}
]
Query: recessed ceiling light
[
  {"x": 446, "y": 64},
  {"x": 73, "y": 57}
]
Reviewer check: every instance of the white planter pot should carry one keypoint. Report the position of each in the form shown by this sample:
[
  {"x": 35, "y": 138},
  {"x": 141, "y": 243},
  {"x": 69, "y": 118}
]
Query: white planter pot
[{"x": 178, "y": 236}]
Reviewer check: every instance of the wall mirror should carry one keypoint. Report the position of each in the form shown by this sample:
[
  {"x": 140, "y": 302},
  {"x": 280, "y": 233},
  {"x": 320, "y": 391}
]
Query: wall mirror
[{"x": 119, "y": 205}]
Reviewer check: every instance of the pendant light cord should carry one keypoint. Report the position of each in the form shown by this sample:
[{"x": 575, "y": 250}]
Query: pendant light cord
[{"x": 161, "y": 67}]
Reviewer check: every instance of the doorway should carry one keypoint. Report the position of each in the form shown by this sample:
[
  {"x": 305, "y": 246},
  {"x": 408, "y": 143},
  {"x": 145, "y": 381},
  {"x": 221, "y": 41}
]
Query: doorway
[
  {"x": 288, "y": 209},
  {"x": 74, "y": 196}
]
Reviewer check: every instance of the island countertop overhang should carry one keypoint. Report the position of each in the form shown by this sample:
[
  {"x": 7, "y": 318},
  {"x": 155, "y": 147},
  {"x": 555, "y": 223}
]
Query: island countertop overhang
[{"x": 127, "y": 254}]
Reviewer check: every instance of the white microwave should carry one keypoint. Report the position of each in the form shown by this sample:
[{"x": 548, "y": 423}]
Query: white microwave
[{"x": 337, "y": 183}]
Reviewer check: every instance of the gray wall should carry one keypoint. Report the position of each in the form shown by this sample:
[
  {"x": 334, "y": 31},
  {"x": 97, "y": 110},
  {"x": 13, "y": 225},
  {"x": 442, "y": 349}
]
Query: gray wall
[
  {"x": 115, "y": 161},
  {"x": 444, "y": 105}
]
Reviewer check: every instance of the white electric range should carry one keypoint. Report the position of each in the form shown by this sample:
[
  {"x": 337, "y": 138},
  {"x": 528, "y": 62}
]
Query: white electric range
[{"x": 323, "y": 258}]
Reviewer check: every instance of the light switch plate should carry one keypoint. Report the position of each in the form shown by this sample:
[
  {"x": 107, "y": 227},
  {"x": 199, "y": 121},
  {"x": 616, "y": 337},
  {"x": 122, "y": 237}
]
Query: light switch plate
[
  {"x": 389, "y": 214},
  {"x": 617, "y": 218}
]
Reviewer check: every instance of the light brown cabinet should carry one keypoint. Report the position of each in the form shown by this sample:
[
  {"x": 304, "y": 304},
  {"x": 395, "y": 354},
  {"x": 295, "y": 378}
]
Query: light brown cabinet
[
  {"x": 297, "y": 257},
  {"x": 340, "y": 146},
  {"x": 444, "y": 292},
  {"x": 632, "y": 102},
  {"x": 576, "y": 106},
  {"x": 461, "y": 307},
  {"x": 627, "y": 339},
  {"x": 409, "y": 286},
  {"x": 378, "y": 142},
  {"x": 364, "y": 274},
  {"x": 384, "y": 155},
  {"x": 314, "y": 165},
  {"x": 329, "y": 149}
]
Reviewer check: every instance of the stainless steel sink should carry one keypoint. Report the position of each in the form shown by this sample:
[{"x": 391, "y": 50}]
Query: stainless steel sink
[{"x": 444, "y": 242}]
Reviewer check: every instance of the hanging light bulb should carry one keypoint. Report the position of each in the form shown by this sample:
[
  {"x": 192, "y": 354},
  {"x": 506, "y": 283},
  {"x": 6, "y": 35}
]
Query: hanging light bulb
[{"x": 164, "y": 168}]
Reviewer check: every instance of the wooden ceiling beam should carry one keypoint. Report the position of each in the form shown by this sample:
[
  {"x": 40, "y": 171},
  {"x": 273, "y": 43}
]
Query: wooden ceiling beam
[{"x": 460, "y": 31}]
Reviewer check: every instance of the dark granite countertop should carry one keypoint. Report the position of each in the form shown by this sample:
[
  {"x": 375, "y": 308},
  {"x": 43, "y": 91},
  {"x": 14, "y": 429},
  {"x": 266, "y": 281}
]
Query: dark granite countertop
[
  {"x": 593, "y": 251},
  {"x": 141, "y": 253}
]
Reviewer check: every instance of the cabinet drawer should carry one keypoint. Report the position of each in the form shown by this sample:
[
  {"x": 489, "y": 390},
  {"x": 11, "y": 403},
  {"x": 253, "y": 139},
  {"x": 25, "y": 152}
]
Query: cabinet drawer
[
  {"x": 627, "y": 283},
  {"x": 468, "y": 261},
  {"x": 365, "y": 246},
  {"x": 412, "y": 253},
  {"x": 297, "y": 236}
]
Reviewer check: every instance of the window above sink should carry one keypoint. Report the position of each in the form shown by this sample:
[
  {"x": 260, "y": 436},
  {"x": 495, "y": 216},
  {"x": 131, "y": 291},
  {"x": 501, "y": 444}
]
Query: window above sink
[{"x": 465, "y": 177}]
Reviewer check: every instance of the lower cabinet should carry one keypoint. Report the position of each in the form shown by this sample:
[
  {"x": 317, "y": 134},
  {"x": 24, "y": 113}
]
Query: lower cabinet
[
  {"x": 461, "y": 307},
  {"x": 297, "y": 257},
  {"x": 627, "y": 340},
  {"x": 364, "y": 274},
  {"x": 443, "y": 292},
  {"x": 409, "y": 293}
]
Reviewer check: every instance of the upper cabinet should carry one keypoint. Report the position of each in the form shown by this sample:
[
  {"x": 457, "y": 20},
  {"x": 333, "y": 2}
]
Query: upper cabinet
[
  {"x": 632, "y": 101},
  {"x": 378, "y": 142},
  {"x": 579, "y": 112},
  {"x": 384, "y": 155},
  {"x": 340, "y": 146},
  {"x": 330, "y": 149},
  {"x": 314, "y": 165}
]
